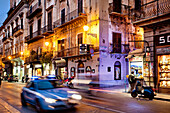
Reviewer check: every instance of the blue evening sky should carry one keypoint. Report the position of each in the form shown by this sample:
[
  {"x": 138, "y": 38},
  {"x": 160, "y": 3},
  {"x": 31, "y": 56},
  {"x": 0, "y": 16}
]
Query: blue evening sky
[{"x": 4, "y": 8}]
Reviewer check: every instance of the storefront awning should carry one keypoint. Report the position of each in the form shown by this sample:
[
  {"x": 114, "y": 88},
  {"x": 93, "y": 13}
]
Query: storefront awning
[
  {"x": 61, "y": 62},
  {"x": 137, "y": 52}
]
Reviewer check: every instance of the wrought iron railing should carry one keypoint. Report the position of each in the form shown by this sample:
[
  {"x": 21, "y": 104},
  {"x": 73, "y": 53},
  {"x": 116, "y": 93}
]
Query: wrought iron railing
[
  {"x": 17, "y": 28},
  {"x": 33, "y": 35},
  {"x": 74, "y": 51},
  {"x": 33, "y": 9},
  {"x": 123, "y": 9},
  {"x": 47, "y": 28},
  {"x": 70, "y": 16},
  {"x": 151, "y": 9}
]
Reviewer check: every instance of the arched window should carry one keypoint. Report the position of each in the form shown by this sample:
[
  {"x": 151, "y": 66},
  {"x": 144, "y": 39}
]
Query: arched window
[
  {"x": 80, "y": 67},
  {"x": 117, "y": 70}
]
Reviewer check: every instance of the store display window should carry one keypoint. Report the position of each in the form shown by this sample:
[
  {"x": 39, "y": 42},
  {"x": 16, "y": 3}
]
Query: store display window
[
  {"x": 117, "y": 70},
  {"x": 164, "y": 70},
  {"x": 136, "y": 67}
]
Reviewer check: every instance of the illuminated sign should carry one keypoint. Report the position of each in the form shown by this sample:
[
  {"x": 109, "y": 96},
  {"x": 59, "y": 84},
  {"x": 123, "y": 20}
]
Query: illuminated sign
[{"x": 162, "y": 40}]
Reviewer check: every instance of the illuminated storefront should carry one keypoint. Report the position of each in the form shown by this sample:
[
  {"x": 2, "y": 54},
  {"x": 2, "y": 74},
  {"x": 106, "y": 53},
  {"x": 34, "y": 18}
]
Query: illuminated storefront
[
  {"x": 140, "y": 64},
  {"x": 163, "y": 62}
]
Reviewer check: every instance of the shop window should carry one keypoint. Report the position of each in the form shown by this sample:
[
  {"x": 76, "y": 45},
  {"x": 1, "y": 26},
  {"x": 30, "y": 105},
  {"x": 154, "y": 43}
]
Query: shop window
[
  {"x": 80, "y": 67},
  {"x": 117, "y": 70},
  {"x": 108, "y": 69},
  {"x": 72, "y": 72}
]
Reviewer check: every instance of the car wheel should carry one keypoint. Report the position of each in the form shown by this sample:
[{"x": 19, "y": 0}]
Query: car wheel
[
  {"x": 38, "y": 107},
  {"x": 23, "y": 102}
]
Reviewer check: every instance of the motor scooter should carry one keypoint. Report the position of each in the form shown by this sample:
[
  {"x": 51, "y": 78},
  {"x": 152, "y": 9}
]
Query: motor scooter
[{"x": 145, "y": 91}]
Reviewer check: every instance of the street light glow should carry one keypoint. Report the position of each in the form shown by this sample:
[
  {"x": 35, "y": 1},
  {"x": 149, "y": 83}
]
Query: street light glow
[
  {"x": 46, "y": 43},
  {"x": 22, "y": 53},
  {"x": 9, "y": 57},
  {"x": 86, "y": 28}
]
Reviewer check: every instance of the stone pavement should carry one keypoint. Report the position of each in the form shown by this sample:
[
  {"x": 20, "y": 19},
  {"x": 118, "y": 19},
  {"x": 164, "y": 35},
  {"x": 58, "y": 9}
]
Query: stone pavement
[{"x": 3, "y": 109}]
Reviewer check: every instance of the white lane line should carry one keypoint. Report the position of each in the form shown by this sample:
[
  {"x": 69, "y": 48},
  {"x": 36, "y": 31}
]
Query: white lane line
[
  {"x": 8, "y": 107},
  {"x": 101, "y": 107}
]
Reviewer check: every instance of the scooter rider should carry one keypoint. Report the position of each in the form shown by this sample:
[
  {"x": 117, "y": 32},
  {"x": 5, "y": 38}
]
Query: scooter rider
[{"x": 132, "y": 81}]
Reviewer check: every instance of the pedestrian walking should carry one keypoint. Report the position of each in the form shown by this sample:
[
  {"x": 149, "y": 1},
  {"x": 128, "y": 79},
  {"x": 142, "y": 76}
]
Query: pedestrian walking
[
  {"x": 132, "y": 81},
  {"x": 23, "y": 79},
  {"x": 0, "y": 80},
  {"x": 26, "y": 78}
]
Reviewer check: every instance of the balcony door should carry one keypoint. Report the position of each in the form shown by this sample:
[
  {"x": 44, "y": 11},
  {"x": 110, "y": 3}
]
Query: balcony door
[
  {"x": 31, "y": 31},
  {"x": 50, "y": 21},
  {"x": 62, "y": 16},
  {"x": 61, "y": 44},
  {"x": 80, "y": 6},
  {"x": 39, "y": 26},
  {"x": 116, "y": 43},
  {"x": 117, "y": 6},
  {"x": 137, "y": 4}
]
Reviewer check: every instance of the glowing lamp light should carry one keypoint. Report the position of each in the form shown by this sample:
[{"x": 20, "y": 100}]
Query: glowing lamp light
[
  {"x": 46, "y": 43},
  {"x": 22, "y": 53},
  {"x": 86, "y": 28},
  {"x": 9, "y": 57}
]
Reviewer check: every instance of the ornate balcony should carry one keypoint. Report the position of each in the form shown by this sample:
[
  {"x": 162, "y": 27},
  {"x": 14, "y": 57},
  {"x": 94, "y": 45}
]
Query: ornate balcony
[
  {"x": 70, "y": 17},
  {"x": 121, "y": 10},
  {"x": 34, "y": 10},
  {"x": 18, "y": 30},
  {"x": 34, "y": 36},
  {"x": 74, "y": 51},
  {"x": 47, "y": 30},
  {"x": 151, "y": 10}
]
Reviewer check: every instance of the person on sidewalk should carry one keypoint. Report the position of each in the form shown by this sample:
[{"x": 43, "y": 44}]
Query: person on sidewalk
[
  {"x": 0, "y": 80},
  {"x": 132, "y": 81}
]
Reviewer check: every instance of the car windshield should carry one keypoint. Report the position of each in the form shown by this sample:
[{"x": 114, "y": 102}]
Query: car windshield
[{"x": 48, "y": 84}]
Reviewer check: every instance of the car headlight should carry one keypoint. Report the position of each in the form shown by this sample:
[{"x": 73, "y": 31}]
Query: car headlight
[
  {"x": 75, "y": 96},
  {"x": 50, "y": 100}
]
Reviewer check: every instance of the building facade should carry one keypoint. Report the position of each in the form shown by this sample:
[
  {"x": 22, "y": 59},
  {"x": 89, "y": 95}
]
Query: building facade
[
  {"x": 15, "y": 29},
  {"x": 153, "y": 17}
]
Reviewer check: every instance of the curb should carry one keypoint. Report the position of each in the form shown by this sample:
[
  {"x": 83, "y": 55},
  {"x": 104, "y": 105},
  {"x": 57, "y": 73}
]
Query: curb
[{"x": 106, "y": 94}]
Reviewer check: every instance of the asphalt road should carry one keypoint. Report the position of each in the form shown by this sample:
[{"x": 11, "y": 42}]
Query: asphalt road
[{"x": 104, "y": 103}]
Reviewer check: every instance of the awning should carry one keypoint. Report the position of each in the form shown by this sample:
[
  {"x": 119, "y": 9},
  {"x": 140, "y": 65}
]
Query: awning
[
  {"x": 61, "y": 62},
  {"x": 137, "y": 52}
]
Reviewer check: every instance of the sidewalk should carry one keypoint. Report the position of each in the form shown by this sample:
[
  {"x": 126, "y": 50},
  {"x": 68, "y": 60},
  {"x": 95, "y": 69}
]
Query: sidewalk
[
  {"x": 124, "y": 90},
  {"x": 3, "y": 109}
]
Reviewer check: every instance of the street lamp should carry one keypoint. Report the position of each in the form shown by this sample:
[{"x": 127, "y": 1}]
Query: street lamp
[
  {"x": 9, "y": 57},
  {"x": 86, "y": 28},
  {"x": 46, "y": 43}
]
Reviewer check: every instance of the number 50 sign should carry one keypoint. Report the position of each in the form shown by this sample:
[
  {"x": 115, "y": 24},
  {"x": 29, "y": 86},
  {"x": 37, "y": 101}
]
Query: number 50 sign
[{"x": 162, "y": 40}]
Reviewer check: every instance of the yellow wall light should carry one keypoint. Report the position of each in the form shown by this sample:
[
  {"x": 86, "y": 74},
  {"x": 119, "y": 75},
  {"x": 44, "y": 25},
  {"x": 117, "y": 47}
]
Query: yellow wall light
[
  {"x": 46, "y": 43},
  {"x": 9, "y": 57},
  {"x": 86, "y": 28}
]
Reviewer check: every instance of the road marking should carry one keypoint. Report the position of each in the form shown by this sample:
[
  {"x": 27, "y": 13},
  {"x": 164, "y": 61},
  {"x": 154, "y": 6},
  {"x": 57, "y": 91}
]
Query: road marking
[
  {"x": 101, "y": 107},
  {"x": 8, "y": 107}
]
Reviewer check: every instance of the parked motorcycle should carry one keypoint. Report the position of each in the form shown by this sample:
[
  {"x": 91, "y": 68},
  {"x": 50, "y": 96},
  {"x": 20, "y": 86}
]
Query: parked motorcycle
[{"x": 145, "y": 91}]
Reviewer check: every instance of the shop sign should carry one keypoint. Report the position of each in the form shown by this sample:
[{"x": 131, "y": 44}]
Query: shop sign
[
  {"x": 103, "y": 48},
  {"x": 136, "y": 59},
  {"x": 83, "y": 48},
  {"x": 28, "y": 66},
  {"x": 163, "y": 50},
  {"x": 88, "y": 69},
  {"x": 38, "y": 66},
  {"x": 163, "y": 40}
]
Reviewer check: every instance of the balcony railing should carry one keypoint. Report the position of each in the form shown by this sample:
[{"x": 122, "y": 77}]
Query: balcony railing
[
  {"x": 48, "y": 28},
  {"x": 123, "y": 9},
  {"x": 33, "y": 35},
  {"x": 151, "y": 9},
  {"x": 34, "y": 10},
  {"x": 74, "y": 51},
  {"x": 4, "y": 39},
  {"x": 70, "y": 16},
  {"x": 17, "y": 28}
]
